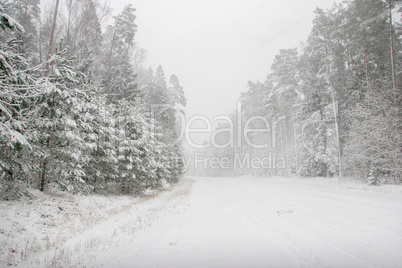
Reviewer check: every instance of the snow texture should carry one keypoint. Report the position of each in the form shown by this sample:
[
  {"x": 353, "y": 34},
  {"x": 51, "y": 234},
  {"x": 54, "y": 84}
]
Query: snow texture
[{"x": 211, "y": 222}]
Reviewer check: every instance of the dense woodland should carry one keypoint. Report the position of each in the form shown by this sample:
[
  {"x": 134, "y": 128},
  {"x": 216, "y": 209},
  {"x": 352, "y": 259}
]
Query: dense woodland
[
  {"x": 76, "y": 104},
  {"x": 333, "y": 105}
]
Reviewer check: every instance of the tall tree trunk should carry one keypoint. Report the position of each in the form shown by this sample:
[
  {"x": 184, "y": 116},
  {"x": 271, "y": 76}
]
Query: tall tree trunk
[
  {"x": 295, "y": 141},
  {"x": 366, "y": 62},
  {"x": 331, "y": 89},
  {"x": 334, "y": 106},
  {"x": 40, "y": 40},
  {"x": 394, "y": 87},
  {"x": 110, "y": 67},
  {"x": 391, "y": 40},
  {"x": 340, "y": 105},
  {"x": 49, "y": 52},
  {"x": 45, "y": 161},
  {"x": 323, "y": 139}
]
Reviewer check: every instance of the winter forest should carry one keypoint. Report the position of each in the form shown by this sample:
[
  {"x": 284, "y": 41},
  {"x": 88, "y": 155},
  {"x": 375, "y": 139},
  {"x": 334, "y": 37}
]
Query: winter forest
[
  {"x": 333, "y": 105},
  {"x": 101, "y": 165},
  {"x": 76, "y": 103}
]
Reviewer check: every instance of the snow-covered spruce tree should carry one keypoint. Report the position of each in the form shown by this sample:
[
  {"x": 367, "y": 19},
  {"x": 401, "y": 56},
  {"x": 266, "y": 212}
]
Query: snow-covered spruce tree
[
  {"x": 19, "y": 90},
  {"x": 146, "y": 158},
  {"x": 139, "y": 153},
  {"x": 27, "y": 13},
  {"x": 101, "y": 132},
  {"x": 162, "y": 106},
  {"x": 122, "y": 94},
  {"x": 142, "y": 162},
  {"x": 176, "y": 91},
  {"x": 62, "y": 118},
  {"x": 58, "y": 126},
  {"x": 120, "y": 76},
  {"x": 159, "y": 104},
  {"x": 101, "y": 135},
  {"x": 89, "y": 41},
  {"x": 129, "y": 153}
]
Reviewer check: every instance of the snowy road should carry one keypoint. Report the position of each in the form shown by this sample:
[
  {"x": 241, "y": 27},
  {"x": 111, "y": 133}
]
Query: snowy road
[{"x": 251, "y": 222}]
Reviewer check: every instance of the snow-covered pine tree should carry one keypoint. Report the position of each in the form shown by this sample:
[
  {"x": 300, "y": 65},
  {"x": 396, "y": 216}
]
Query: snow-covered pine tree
[
  {"x": 27, "y": 13},
  {"x": 120, "y": 78},
  {"x": 19, "y": 90},
  {"x": 176, "y": 91},
  {"x": 101, "y": 135},
  {"x": 63, "y": 120},
  {"x": 89, "y": 41}
]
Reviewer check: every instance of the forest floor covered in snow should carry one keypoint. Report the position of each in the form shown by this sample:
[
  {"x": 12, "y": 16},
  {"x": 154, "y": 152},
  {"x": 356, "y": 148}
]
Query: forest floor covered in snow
[{"x": 210, "y": 222}]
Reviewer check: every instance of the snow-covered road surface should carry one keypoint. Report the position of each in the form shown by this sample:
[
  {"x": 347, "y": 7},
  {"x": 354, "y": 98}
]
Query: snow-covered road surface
[{"x": 252, "y": 222}]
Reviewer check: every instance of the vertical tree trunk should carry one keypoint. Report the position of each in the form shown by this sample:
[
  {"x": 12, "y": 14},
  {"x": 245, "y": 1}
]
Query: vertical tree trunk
[
  {"x": 394, "y": 87},
  {"x": 391, "y": 40},
  {"x": 110, "y": 67},
  {"x": 45, "y": 161},
  {"x": 323, "y": 139},
  {"x": 40, "y": 40},
  {"x": 337, "y": 133},
  {"x": 366, "y": 63},
  {"x": 296, "y": 153},
  {"x": 49, "y": 52},
  {"x": 340, "y": 105},
  {"x": 336, "y": 120},
  {"x": 68, "y": 28},
  {"x": 287, "y": 145}
]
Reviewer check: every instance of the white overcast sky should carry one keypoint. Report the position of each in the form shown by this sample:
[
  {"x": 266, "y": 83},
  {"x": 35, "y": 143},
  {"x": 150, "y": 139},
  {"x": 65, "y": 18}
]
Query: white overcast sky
[{"x": 216, "y": 46}]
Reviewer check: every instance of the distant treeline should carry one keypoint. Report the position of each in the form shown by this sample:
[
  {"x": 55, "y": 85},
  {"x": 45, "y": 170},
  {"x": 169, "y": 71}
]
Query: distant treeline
[{"x": 338, "y": 99}]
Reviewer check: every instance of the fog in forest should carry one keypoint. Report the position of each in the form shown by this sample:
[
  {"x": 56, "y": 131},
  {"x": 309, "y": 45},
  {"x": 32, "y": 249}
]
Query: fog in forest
[{"x": 168, "y": 133}]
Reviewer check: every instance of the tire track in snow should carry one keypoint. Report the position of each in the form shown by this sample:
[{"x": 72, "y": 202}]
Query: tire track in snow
[
  {"x": 319, "y": 220},
  {"x": 274, "y": 228},
  {"x": 254, "y": 222},
  {"x": 304, "y": 230},
  {"x": 348, "y": 231}
]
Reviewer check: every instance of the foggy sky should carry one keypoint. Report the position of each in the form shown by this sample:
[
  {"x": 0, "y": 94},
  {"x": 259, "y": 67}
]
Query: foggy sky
[{"x": 216, "y": 46}]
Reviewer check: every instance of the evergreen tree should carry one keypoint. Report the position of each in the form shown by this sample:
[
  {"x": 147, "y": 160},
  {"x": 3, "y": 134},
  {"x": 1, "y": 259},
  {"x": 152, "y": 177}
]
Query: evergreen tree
[
  {"x": 176, "y": 92},
  {"x": 339, "y": 97},
  {"x": 18, "y": 93},
  {"x": 121, "y": 78}
]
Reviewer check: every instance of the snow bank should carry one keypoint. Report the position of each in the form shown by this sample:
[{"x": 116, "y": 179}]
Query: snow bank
[
  {"x": 210, "y": 222},
  {"x": 59, "y": 229}
]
